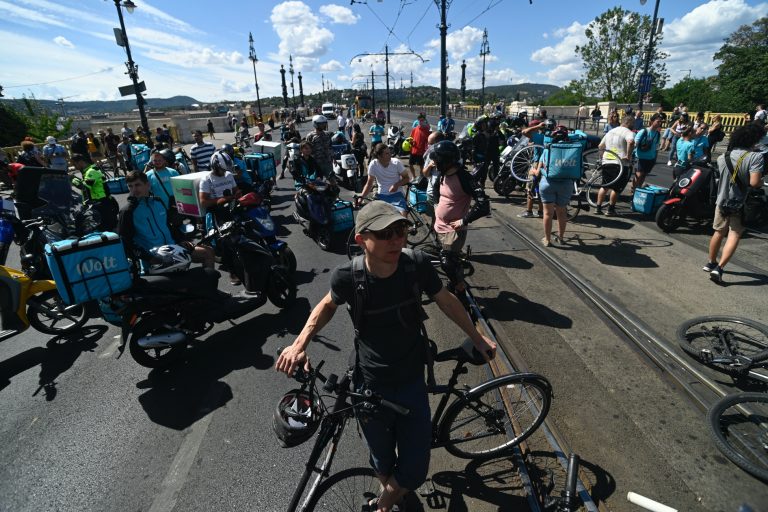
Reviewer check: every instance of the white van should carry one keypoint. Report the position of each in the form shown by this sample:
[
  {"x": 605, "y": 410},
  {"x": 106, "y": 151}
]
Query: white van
[{"x": 328, "y": 110}]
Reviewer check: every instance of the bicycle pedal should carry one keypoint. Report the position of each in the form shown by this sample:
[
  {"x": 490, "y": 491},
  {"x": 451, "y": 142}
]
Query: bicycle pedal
[{"x": 427, "y": 489}]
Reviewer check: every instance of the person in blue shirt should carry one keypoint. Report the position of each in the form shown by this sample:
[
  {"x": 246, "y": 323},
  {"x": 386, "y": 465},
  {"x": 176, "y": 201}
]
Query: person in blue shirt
[
  {"x": 376, "y": 132},
  {"x": 160, "y": 177},
  {"x": 685, "y": 152},
  {"x": 700, "y": 141},
  {"x": 646, "y": 146}
]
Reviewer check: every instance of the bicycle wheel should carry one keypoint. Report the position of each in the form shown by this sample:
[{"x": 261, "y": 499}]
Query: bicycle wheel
[
  {"x": 524, "y": 159},
  {"x": 505, "y": 183},
  {"x": 713, "y": 337},
  {"x": 347, "y": 490},
  {"x": 320, "y": 457},
  {"x": 591, "y": 190},
  {"x": 593, "y": 162},
  {"x": 422, "y": 216},
  {"x": 739, "y": 426},
  {"x": 495, "y": 416}
]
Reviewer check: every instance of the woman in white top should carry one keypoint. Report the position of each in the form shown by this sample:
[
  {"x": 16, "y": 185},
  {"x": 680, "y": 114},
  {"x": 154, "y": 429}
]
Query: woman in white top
[{"x": 390, "y": 175}]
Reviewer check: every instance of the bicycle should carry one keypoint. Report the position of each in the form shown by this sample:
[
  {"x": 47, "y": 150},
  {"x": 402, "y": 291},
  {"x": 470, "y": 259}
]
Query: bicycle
[
  {"x": 480, "y": 423},
  {"x": 739, "y": 426},
  {"x": 729, "y": 344}
]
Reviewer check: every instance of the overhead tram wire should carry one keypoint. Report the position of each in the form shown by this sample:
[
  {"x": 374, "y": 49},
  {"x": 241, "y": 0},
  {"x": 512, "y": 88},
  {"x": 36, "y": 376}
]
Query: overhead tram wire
[
  {"x": 491, "y": 5},
  {"x": 391, "y": 30},
  {"x": 60, "y": 80},
  {"x": 408, "y": 37},
  {"x": 403, "y": 3}
]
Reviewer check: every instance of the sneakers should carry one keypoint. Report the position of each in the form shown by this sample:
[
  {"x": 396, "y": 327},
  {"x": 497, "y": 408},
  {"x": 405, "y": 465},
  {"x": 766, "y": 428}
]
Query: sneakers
[
  {"x": 709, "y": 267},
  {"x": 716, "y": 276},
  {"x": 599, "y": 210},
  {"x": 526, "y": 215},
  {"x": 545, "y": 242},
  {"x": 611, "y": 212},
  {"x": 539, "y": 214}
]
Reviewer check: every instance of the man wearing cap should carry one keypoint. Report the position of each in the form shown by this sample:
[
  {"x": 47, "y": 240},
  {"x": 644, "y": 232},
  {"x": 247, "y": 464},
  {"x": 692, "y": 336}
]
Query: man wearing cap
[
  {"x": 55, "y": 155},
  {"x": 390, "y": 348}
]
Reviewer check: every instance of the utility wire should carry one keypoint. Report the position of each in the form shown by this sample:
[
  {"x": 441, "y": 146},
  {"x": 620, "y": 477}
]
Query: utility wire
[
  {"x": 391, "y": 30},
  {"x": 61, "y": 80},
  {"x": 408, "y": 37},
  {"x": 491, "y": 5}
]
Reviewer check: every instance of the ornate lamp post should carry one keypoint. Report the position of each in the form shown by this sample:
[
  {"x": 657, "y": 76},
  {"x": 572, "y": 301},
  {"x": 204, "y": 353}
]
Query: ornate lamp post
[
  {"x": 254, "y": 60},
  {"x": 285, "y": 89},
  {"x": 290, "y": 70},
  {"x": 484, "y": 50},
  {"x": 301, "y": 91}
]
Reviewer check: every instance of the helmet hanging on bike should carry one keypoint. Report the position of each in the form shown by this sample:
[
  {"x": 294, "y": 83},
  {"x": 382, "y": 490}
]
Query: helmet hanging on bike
[
  {"x": 296, "y": 418},
  {"x": 549, "y": 124},
  {"x": 169, "y": 258}
]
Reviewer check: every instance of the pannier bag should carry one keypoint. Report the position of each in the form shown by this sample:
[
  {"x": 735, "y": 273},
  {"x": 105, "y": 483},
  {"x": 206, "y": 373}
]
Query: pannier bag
[
  {"x": 117, "y": 185},
  {"x": 93, "y": 267},
  {"x": 648, "y": 199},
  {"x": 262, "y": 165},
  {"x": 564, "y": 161},
  {"x": 343, "y": 218}
]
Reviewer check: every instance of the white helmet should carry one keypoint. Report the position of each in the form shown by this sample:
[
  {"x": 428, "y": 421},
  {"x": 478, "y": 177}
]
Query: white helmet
[
  {"x": 220, "y": 160},
  {"x": 172, "y": 258},
  {"x": 320, "y": 120}
]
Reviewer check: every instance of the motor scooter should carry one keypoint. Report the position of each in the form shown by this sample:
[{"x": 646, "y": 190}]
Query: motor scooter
[
  {"x": 395, "y": 139},
  {"x": 321, "y": 213},
  {"x": 693, "y": 195},
  {"x": 345, "y": 167},
  {"x": 259, "y": 222},
  {"x": 505, "y": 181}
]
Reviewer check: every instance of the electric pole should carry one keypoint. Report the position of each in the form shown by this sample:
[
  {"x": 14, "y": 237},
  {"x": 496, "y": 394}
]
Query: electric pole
[
  {"x": 290, "y": 70},
  {"x": 463, "y": 80},
  {"x": 484, "y": 50},
  {"x": 443, "y": 59},
  {"x": 301, "y": 91}
]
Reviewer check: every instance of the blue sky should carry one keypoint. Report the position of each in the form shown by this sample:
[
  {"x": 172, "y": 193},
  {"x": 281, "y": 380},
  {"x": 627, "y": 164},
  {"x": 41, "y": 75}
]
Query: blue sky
[{"x": 200, "y": 49}]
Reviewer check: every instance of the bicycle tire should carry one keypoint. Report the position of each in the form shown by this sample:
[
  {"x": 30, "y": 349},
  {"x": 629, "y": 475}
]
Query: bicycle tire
[
  {"x": 523, "y": 160},
  {"x": 525, "y": 394},
  {"x": 420, "y": 214},
  {"x": 347, "y": 490},
  {"x": 323, "y": 443},
  {"x": 591, "y": 190},
  {"x": 593, "y": 166},
  {"x": 694, "y": 336},
  {"x": 742, "y": 435}
]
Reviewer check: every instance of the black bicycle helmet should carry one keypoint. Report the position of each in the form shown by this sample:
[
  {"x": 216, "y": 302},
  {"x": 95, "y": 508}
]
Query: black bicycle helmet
[
  {"x": 228, "y": 149},
  {"x": 549, "y": 124},
  {"x": 445, "y": 153},
  {"x": 296, "y": 418},
  {"x": 559, "y": 134},
  {"x": 169, "y": 155}
]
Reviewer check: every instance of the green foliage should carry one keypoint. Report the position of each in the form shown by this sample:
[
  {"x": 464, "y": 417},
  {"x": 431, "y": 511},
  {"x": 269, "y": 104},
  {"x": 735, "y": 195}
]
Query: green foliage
[
  {"x": 41, "y": 122},
  {"x": 12, "y": 127},
  {"x": 742, "y": 80},
  {"x": 614, "y": 55},
  {"x": 572, "y": 94},
  {"x": 699, "y": 94}
]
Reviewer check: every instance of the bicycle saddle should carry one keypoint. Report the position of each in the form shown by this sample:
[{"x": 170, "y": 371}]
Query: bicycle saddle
[{"x": 466, "y": 353}]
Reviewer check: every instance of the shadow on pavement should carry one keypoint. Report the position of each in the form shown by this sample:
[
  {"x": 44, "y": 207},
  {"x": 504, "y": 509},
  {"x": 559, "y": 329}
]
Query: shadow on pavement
[
  {"x": 178, "y": 396},
  {"x": 550, "y": 476},
  {"x": 508, "y": 306},
  {"x": 502, "y": 259},
  {"x": 753, "y": 279},
  {"x": 59, "y": 356},
  {"x": 494, "y": 482},
  {"x": 619, "y": 252}
]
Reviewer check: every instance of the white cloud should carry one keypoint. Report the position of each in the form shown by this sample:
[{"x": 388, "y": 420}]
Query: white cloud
[
  {"x": 339, "y": 14},
  {"x": 459, "y": 43},
  {"x": 63, "y": 41},
  {"x": 164, "y": 18},
  {"x": 299, "y": 30},
  {"x": 711, "y": 22},
  {"x": 231, "y": 86},
  {"x": 332, "y": 65},
  {"x": 563, "y": 51},
  {"x": 25, "y": 16}
]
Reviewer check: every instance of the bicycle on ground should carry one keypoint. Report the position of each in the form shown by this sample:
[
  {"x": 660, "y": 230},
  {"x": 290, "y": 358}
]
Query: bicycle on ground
[{"x": 482, "y": 422}]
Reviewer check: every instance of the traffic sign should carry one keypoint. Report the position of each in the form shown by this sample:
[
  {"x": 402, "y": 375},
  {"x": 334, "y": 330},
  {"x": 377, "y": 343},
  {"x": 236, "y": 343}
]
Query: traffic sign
[
  {"x": 645, "y": 83},
  {"x": 128, "y": 90}
]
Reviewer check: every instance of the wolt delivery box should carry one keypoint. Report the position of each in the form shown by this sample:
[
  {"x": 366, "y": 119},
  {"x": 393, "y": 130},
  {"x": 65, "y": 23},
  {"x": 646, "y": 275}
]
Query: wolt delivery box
[
  {"x": 185, "y": 190},
  {"x": 267, "y": 146}
]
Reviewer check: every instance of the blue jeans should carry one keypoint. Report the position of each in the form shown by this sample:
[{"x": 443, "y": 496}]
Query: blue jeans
[
  {"x": 400, "y": 445},
  {"x": 397, "y": 200}
]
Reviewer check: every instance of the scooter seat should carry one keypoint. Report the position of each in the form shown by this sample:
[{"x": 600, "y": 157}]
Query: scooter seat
[{"x": 197, "y": 280}]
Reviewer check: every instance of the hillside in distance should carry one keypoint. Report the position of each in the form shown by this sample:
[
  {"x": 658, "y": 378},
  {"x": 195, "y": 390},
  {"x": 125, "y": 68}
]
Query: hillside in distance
[{"x": 76, "y": 108}]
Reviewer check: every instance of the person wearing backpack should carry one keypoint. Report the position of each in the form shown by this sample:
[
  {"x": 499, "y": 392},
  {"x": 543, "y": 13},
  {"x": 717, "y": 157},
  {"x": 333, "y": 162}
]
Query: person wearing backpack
[
  {"x": 382, "y": 289},
  {"x": 740, "y": 168},
  {"x": 646, "y": 144}
]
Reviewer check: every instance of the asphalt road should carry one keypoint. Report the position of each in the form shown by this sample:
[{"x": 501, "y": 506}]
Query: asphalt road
[{"x": 83, "y": 430}]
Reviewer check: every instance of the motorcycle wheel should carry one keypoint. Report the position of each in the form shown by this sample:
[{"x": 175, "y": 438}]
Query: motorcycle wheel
[
  {"x": 287, "y": 259},
  {"x": 153, "y": 357},
  {"x": 504, "y": 183},
  {"x": 324, "y": 239},
  {"x": 281, "y": 290},
  {"x": 48, "y": 314},
  {"x": 667, "y": 218}
]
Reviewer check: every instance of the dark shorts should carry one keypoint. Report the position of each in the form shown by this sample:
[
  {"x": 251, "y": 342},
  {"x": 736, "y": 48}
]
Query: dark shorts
[
  {"x": 400, "y": 445},
  {"x": 416, "y": 160},
  {"x": 610, "y": 172},
  {"x": 644, "y": 166}
]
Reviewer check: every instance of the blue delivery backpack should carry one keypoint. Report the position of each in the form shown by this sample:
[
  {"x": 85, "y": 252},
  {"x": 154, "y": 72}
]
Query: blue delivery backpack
[
  {"x": 343, "y": 218},
  {"x": 140, "y": 154},
  {"x": 648, "y": 199},
  {"x": 92, "y": 267},
  {"x": 117, "y": 185},
  {"x": 416, "y": 196},
  {"x": 262, "y": 165},
  {"x": 564, "y": 161}
]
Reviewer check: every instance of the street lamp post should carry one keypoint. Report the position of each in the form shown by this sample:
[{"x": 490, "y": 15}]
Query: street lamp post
[
  {"x": 301, "y": 91},
  {"x": 285, "y": 89},
  {"x": 133, "y": 68},
  {"x": 649, "y": 52},
  {"x": 463, "y": 80},
  {"x": 290, "y": 70},
  {"x": 484, "y": 50},
  {"x": 254, "y": 60}
]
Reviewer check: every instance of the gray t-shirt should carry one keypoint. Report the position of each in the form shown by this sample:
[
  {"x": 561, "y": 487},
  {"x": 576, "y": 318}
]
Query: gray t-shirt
[
  {"x": 391, "y": 348},
  {"x": 752, "y": 163}
]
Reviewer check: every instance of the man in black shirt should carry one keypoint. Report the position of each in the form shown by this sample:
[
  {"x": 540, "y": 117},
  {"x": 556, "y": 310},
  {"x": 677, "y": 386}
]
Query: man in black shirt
[{"x": 391, "y": 349}]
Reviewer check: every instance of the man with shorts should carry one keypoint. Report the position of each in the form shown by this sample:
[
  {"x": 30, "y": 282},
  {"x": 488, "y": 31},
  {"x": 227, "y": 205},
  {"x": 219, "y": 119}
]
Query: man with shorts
[
  {"x": 740, "y": 168},
  {"x": 620, "y": 140},
  {"x": 390, "y": 347},
  {"x": 646, "y": 144}
]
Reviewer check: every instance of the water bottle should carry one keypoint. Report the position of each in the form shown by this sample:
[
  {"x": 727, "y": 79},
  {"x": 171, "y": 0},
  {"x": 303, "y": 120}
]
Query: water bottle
[{"x": 6, "y": 237}]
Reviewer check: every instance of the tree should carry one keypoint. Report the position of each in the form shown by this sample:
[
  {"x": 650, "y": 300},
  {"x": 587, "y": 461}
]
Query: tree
[
  {"x": 698, "y": 94},
  {"x": 572, "y": 94},
  {"x": 742, "y": 79},
  {"x": 12, "y": 127},
  {"x": 42, "y": 123},
  {"x": 614, "y": 55}
]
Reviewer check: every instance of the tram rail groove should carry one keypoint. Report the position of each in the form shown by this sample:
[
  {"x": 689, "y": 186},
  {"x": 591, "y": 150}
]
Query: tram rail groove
[{"x": 503, "y": 365}]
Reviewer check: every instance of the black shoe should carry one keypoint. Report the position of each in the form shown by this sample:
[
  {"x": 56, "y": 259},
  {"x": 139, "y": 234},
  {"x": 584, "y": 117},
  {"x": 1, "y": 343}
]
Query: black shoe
[
  {"x": 611, "y": 212},
  {"x": 716, "y": 276},
  {"x": 599, "y": 211}
]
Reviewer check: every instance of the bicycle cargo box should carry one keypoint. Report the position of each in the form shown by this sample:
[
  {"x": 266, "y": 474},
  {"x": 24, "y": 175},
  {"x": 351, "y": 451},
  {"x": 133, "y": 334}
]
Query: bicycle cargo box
[
  {"x": 262, "y": 165},
  {"x": 117, "y": 185},
  {"x": 343, "y": 218},
  {"x": 648, "y": 199},
  {"x": 186, "y": 190},
  {"x": 92, "y": 267},
  {"x": 417, "y": 196},
  {"x": 273, "y": 148},
  {"x": 140, "y": 156},
  {"x": 563, "y": 161}
]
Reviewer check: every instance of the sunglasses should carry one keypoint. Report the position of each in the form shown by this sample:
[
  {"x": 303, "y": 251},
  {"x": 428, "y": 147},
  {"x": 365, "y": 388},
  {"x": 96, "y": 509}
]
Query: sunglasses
[{"x": 399, "y": 230}]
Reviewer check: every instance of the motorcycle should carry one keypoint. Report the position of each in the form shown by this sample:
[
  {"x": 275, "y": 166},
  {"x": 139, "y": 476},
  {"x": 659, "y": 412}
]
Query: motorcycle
[
  {"x": 322, "y": 215},
  {"x": 251, "y": 209},
  {"x": 465, "y": 143},
  {"x": 395, "y": 139},
  {"x": 27, "y": 298},
  {"x": 345, "y": 167},
  {"x": 505, "y": 182},
  {"x": 692, "y": 195}
]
